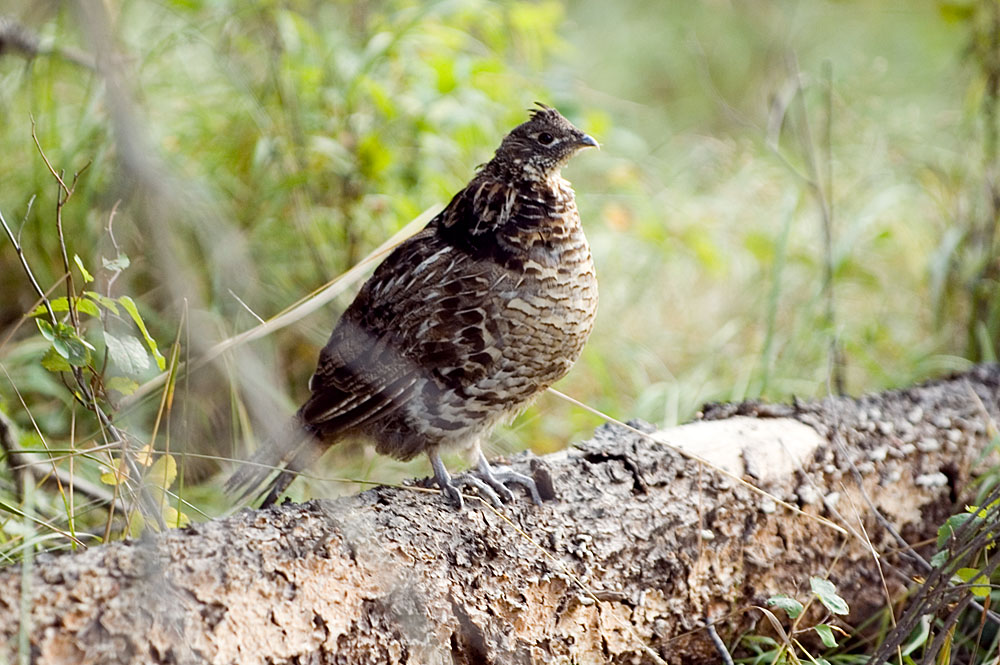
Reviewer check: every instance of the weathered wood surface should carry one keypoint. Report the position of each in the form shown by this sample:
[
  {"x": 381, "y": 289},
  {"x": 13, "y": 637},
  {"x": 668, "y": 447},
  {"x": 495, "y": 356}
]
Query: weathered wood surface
[{"x": 639, "y": 546}]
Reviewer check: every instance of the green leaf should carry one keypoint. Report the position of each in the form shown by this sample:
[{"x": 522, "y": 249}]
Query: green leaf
[
  {"x": 133, "y": 311},
  {"x": 77, "y": 350},
  {"x": 137, "y": 523},
  {"x": 44, "y": 327},
  {"x": 918, "y": 637},
  {"x": 54, "y": 362},
  {"x": 87, "y": 277},
  {"x": 57, "y": 305},
  {"x": 163, "y": 472},
  {"x": 127, "y": 353},
  {"x": 122, "y": 384},
  {"x": 66, "y": 342},
  {"x": 827, "y": 594},
  {"x": 979, "y": 584},
  {"x": 61, "y": 347},
  {"x": 62, "y": 305},
  {"x": 956, "y": 12},
  {"x": 939, "y": 558},
  {"x": 825, "y": 633},
  {"x": 85, "y": 306},
  {"x": 760, "y": 641},
  {"x": 174, "y": 518},
  {"x": 792, "y": 607},
  {"x": 951, "y": 525},
  {"x": 115, "y": 476},
  {"x": 121, "y": 262},
  {"x": 107, "y": 303}
]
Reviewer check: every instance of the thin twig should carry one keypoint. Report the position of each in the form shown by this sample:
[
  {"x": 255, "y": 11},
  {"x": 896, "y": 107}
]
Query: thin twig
[
  {"x": 720, "y": 646},
  {"x": 27, "y": 269},
  {"x": 86, "y": 395},
  {"x": 114, "y": 243},
  {"x": 45, "y": 159},
  {"x": 62, "y": 198},
  {"x": 246, "y": 307}
]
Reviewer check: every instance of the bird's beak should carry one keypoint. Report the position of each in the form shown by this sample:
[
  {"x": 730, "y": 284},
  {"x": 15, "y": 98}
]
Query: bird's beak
[{"x": 588, "y": 140}]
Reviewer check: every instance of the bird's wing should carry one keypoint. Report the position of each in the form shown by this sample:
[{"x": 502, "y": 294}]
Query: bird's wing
[
  {"x": 482, "y": 207},
  {"x": 428, "y": 313}
]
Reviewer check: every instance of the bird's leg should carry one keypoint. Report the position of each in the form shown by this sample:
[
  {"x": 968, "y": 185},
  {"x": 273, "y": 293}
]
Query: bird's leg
[
  {"x": 450, "y": 488},
  {"x": 496, "y": 478}
]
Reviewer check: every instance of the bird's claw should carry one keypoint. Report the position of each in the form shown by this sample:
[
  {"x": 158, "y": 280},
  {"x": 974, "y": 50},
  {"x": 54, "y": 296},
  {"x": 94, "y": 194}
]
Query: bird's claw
[
  {"x": 452, "y": 494},
  {"x": 449, "y": 487},
  {"x": 490, "y": 486},
  {"x": 491, "y": 483},
  {"x": 497, "y": 478},
  {"x": 486, "y": 489}
]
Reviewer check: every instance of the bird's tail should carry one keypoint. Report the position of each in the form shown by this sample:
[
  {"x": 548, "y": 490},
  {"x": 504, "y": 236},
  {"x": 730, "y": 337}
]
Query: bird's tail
[{"x": 293, "y": 450}]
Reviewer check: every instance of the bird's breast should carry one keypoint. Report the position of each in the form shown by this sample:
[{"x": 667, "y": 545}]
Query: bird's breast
[{"x": 549, "y": 301}]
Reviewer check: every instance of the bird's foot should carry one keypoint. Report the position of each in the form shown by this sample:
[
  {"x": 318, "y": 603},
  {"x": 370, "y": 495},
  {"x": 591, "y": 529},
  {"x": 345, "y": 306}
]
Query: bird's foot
[
  {"x": 450, "y": 486},
  {"x": 497, "y": 496},
  {"x": 490, "y": 482},
  {"x": 499, "y": 477}
]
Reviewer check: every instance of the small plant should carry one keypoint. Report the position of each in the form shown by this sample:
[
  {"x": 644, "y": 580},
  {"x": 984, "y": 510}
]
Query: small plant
[
  {"x": 949, "y": 616},
  {"x": 99, "y": 347},
  {"x": 787, "y": 647}
]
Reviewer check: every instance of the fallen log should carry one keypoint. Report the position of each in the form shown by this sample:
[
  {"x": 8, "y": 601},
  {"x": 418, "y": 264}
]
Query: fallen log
[{"x": 641, "y": 546}]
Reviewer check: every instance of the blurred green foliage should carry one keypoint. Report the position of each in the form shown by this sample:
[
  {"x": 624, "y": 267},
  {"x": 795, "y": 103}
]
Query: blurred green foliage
[
  {"x": 714, "y": 238},
  {"x": 248, "y": 152},
  {"x": 308, "y": 131}
]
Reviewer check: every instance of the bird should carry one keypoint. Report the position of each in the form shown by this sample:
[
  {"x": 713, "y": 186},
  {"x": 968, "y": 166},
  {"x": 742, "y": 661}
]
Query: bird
[{"x": 460, "y": 328}]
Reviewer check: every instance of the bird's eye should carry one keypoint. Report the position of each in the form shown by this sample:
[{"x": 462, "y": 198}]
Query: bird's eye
[{"x": 545, "y": 138}]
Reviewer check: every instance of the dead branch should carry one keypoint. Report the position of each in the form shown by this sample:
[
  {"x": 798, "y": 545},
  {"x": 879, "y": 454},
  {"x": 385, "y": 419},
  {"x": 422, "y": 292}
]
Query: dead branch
[{"x": 642, "y": 545}]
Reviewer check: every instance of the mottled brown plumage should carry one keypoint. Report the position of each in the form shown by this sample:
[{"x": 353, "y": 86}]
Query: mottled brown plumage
[{"x": 462, "y": 325}]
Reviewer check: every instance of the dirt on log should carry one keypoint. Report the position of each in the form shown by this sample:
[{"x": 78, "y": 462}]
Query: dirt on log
[{"x": 640, "y": 546}]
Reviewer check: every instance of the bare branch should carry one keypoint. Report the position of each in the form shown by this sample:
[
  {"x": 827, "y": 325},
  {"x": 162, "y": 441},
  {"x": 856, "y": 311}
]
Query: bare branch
[{"x": 640, "y": 544}]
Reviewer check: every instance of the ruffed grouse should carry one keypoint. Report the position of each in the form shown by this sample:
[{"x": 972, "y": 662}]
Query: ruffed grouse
[{"x": 462, "y": 326}]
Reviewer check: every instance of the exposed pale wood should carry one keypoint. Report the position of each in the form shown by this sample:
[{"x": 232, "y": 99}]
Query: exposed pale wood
[{"x": 657, "y": 540}]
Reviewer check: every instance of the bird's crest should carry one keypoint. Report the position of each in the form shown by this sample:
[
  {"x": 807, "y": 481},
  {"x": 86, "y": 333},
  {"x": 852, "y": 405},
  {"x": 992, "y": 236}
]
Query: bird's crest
[{"x": 543, "y": 111}]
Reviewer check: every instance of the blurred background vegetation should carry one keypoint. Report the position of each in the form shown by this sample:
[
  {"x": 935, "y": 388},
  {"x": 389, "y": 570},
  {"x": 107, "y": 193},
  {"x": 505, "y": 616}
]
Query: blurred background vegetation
[{"x": 792, "y": 198}]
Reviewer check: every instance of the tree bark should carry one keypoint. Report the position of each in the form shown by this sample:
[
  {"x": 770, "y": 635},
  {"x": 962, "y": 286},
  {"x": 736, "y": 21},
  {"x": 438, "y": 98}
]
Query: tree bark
[{"x": 640, "y": 546}]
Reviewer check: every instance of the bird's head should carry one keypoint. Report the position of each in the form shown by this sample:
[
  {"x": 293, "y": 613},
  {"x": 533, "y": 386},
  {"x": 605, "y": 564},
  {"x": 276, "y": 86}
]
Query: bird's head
[{"x": 539, "y": 148}]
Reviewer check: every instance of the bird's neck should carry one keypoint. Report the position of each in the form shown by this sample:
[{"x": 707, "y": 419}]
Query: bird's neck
[
  {"x": 508, "y": 221},
  {"x": 517, "y": 172}
]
